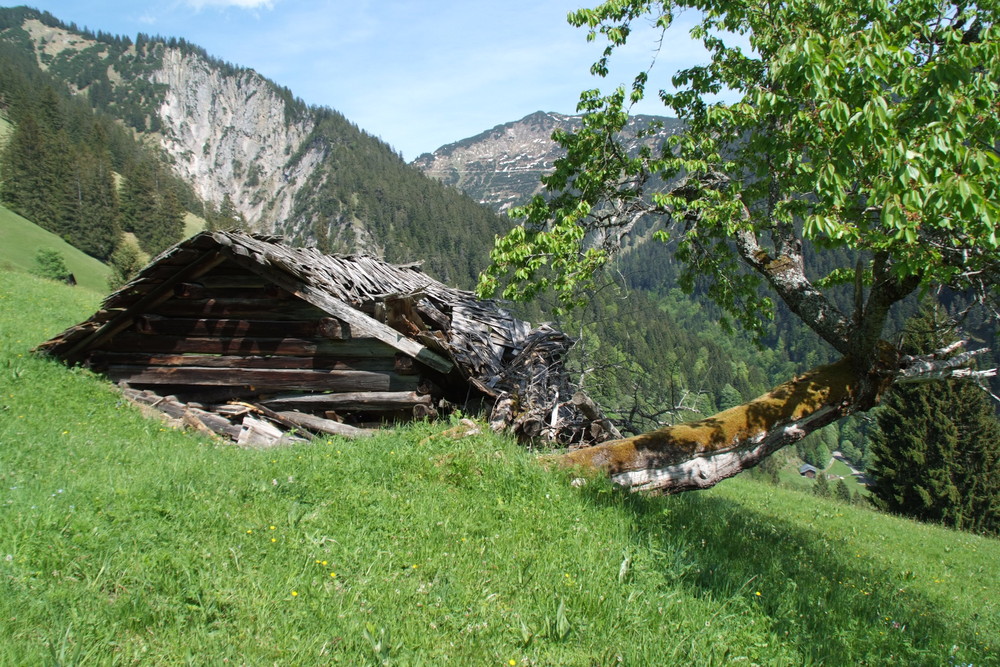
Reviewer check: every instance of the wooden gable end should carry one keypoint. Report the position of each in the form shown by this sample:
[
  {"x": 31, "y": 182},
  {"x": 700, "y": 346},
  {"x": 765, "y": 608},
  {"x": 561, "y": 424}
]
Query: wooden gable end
[{"x": 233, "y": 334}]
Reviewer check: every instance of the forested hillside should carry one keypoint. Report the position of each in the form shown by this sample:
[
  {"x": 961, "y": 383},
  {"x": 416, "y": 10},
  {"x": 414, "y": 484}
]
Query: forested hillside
[{"x": 61, "y": 163}]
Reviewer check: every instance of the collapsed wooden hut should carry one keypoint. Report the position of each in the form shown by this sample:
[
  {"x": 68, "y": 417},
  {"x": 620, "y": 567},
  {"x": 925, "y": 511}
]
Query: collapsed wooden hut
[{"x": 261, "y": 342}]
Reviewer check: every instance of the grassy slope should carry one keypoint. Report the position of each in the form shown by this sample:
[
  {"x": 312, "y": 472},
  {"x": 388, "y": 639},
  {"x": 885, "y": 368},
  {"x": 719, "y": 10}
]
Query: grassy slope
[
  {"x": 20, "y": 239},
  {"x": 126, "y": 542},
  {"x": 193, "y": 224}
]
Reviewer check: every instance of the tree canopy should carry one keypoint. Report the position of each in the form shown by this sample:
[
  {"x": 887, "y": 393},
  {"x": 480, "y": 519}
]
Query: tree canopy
[{"x": 868, "y": 127}]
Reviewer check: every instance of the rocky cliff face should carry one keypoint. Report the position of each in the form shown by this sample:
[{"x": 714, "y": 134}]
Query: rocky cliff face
[
  {"x": 227, "y": 131},
  {"x": 229, "y": 135},
  {"x": 501, "y": 167}
]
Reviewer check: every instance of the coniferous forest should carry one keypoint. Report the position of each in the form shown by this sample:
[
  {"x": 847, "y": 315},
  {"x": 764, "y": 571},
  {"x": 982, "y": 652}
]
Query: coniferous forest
[{"x": 61, "y": 160}]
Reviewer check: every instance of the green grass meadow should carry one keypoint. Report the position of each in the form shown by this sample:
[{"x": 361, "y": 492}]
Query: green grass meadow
[
  {"x": 21, "y": 239},
  {"x": 124, "y": 542}
]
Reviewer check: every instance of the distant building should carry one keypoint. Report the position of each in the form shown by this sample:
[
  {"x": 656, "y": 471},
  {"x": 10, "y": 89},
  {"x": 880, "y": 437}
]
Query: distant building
[{"x": 808, "y": 471}]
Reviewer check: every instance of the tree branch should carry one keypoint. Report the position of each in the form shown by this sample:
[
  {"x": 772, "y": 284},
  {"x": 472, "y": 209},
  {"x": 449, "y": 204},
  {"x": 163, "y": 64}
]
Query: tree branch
[
  {"x": 943, "y": 365},
  {"x": 786, "y": 275},
  {"x": 886, "y": 290}
]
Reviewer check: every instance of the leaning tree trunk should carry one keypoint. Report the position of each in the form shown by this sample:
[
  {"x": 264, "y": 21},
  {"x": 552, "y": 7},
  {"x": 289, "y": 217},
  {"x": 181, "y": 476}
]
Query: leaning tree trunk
[{"x": 700, "y": 454}]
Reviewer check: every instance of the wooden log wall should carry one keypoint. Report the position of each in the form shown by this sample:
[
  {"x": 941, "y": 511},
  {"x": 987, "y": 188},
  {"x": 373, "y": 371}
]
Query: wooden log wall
[{"x": 230, "y": 333}]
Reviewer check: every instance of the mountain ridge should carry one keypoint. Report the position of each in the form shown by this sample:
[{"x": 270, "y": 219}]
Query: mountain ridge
[{"x": 501, "y": 167}]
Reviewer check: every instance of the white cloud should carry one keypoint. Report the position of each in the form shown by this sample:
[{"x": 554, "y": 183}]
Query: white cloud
[{"x": 241, "y": 4}]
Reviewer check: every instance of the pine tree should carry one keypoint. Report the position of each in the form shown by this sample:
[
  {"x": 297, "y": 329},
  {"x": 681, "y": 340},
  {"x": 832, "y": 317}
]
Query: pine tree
[
  {"x": 125, "y": 263},
  {"x": 226, "y": 218},
  {"x": 729, "y": 397},
  {"x": 822, "y": 486},
  {"x": 841, "y": 492},
  {"x": 168, "y": 227},
  {"x": 935, "y": 454},
  {"x": 138, "y": 199},
  {"x": 151, "y": 208},
  {"x": 93, "y": 221},
  {"x": 35, "y": 165}
]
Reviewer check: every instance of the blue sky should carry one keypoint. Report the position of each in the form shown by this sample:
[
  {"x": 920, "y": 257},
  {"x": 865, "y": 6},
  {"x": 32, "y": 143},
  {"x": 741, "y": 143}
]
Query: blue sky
[{"x": 417, "y": 74}]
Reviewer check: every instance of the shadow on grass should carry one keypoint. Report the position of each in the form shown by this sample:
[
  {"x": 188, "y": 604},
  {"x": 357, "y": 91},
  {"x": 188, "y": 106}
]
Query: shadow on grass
[{"x": 833, "y": 605}]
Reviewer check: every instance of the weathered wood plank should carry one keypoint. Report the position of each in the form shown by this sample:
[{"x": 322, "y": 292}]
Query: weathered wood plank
[
  {"x": 259, "y": 328},
  {"x": 589, "y": 408},
  {"x": 199, "y": 290},
  {"x": 239, "y": 307},
  {"x": 260, "y": 434},
  {"x": 180, "y": 257},
  {"x": 177, "y": 410},
  {"x": 264, "y": 378},
  {"x": 355, "y": 400},
  {"x": 202, "y": 264},
  {"x": 278, "y": 419},
  {"x": 314, "y": 423},
  {"x": 428, "y": 311},
  {"x": 331, "y": 327},
  {"x": 361, "y": 324},
  {"x": 102, "y": 359},
  {"x": 300, "y": 347},
  {"x": 231, "y": 276}
]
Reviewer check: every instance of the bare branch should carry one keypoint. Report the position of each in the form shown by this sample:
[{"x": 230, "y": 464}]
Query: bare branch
[
  {"x": 943, "y": 365},
  {"x": 786, "y": 275}
]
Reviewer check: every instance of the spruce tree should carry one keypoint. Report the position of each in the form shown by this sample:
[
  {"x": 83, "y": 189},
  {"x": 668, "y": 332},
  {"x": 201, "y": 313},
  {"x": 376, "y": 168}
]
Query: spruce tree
[
  {"x": 168, "y": 227},
  {"x": 822, "y": 486},
  {"x": 93, "y": 221},
  {"x": 126, "y": 262},
  {"x": 841, "y": 492},
  {"x": 34, "y": 169},
  {"x": 151, "y": 208},
  {"x": 935, "y": 454}
]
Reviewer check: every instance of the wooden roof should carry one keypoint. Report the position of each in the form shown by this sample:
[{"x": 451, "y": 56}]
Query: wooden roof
[{"x": 479, "y": 333}]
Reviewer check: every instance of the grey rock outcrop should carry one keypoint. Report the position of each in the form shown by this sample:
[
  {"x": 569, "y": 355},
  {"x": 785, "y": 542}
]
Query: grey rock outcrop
[
  {"x": 228, "y": 134},
  {"x": 502, "y": 167}
]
